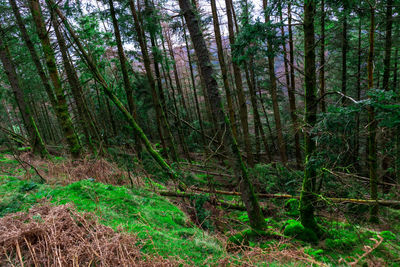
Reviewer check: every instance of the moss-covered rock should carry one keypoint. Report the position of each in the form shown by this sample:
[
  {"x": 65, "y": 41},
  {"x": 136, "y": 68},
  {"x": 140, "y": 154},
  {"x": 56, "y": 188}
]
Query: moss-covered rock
[
  {"x": 293, "y": 228},
  {"x": 247, "y": 236}
]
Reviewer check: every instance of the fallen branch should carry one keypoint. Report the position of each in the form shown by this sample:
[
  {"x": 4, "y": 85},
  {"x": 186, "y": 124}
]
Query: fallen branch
[
  {"x": 226, "y": 204},
  {"x": 388, "y": 203}
]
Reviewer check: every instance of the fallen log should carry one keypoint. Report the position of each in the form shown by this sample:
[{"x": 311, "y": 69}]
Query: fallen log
[
  {"x": 387, "y": 203},
  {"x": 225, "y": 204}
]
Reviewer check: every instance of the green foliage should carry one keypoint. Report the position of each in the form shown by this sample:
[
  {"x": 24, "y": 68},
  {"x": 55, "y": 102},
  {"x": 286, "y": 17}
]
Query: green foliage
[
  {"x": 388, "y": 235},
  {"x": 295, "y": 229},
  {"x": 248, "y": 236},
  {"x": 292, "y": 207},
  {"x": 202, "y": 214},
  {"x": 276, "y": 178},
  {"x": 161, "y": 226}
]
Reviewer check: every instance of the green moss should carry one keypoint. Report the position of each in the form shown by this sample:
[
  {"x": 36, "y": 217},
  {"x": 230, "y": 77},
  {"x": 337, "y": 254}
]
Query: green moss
[
  {"x": 248, "y": 236},
  {"x": 292, "y": 207},
  {"x": 163, "y": 227},
  {"x": 293, "y": 228},
  {"x": 387, "y": 235}
]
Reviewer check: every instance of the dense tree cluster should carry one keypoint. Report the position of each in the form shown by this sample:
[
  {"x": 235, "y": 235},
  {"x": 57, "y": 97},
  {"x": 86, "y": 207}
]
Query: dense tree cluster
[{"x": 308, "y": 85}]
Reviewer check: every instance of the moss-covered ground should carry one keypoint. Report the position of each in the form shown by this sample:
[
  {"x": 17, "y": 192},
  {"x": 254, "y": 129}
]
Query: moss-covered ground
[{"x": 164, "y": 229}]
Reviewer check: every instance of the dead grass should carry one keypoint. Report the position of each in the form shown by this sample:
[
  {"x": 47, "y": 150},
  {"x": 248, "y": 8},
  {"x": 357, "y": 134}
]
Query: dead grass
[
  {"x": 256, "y": 256},
  {"x": 68, "y": 171},
  {"x": 60, "y": 236}
]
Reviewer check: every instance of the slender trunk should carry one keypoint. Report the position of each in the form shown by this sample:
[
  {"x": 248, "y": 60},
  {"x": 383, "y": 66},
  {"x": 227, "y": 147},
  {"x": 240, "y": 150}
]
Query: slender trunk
[
  {"x": 176, "y": 76},
  {"x": 124, "y": 70},
  {"x": 222, "y": 64},
  {"x": 249, "y": 198},
  {"x": 322, "y": 58},
  {"x": 61, "y": 107},
  {"x": 388, "y": 45},
  {"x": 273, "y": 90},
  {"x": 344, "y": 57},
  {"x": 73, "y": 80},
  {"x": 239, "y": 88},
  {"x": 307, "y": 197},
  {"x": 256, "y": 114},
  {"x": 108, "y": 91},
  {"x": 372, "y": 124},
  {"x": 150, "y": 78},
  {"x": 395, "y": 71},
  {"x": 194, "y": 84},
  {"x": 292, "y": 97},
  {"x": 35, "y": 138},
  {"x": 34, "y": 55},
  {"x": 358, "y": 85}
]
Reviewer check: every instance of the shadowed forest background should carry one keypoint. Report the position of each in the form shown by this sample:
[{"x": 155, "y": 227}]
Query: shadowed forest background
[{"x": 212, "y": 132}]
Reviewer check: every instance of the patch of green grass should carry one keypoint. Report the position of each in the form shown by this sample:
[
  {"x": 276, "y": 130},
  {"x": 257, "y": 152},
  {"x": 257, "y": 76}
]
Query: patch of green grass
[{"x": 162, "y": 227}]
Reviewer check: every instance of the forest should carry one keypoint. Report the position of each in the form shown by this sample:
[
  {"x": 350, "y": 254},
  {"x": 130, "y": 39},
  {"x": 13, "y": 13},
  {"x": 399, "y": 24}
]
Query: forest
[{"x": 199, "y": 133}]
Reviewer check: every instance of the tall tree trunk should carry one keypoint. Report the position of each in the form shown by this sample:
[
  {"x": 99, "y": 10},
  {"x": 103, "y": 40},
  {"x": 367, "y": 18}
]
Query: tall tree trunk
[
  {"x": 256, "y": 114},
  {"x": 176, "y": 76},
  {"x": 35, "y": 138},
  {"x": 239, "y": 88},
  {"x": 194, "y": 84},
  {"x": 84, "y": 120},
  {"x": 150, "y": 78},
  {"x": 358, "y": 85},
  {"x": 292, "y": 96},
  {"x": 322, "y": 58},
  {"x": 125, "y": 75},
  {"x": 61, "y": 107},
  {"x": 307, "y": 196},
  {"x": 222, "y": 64},
  {"x": 344, "y": 56},
  {"x": 372, "y": 124},
  {"x": 249, "y": 198},
  {"x": 108, "y": 91},
  {"x": 395, "y": 71},
  {"x": 388, "y": 45},
  {"x": 273, "y": 90}
]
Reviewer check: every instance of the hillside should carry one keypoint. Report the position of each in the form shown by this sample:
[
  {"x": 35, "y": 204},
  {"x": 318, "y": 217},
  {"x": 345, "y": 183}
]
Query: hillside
[{"x": 83, "y": 219}]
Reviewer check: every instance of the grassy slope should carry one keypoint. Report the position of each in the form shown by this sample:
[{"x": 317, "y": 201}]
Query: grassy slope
[{"x": 164, "y": 229}]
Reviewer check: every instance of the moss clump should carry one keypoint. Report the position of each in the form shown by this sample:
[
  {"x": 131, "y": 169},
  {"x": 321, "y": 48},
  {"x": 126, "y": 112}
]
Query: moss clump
[
  {"x": 292, "y": 207},
  {"x": 387, "y": 235},
  {"x": 248, "y": 236},
  {"x": 295, "y": 229}
]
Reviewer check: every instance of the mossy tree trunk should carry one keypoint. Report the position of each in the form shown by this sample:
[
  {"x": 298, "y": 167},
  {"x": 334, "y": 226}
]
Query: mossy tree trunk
[
  {"x": 243, "y": 114},
  {"x": 61, "y": 105},
  {"x": 250, "y": 200},
  {"x": 125, "y": 76},
  {"x": 292, "y": 91},
  {"x": 307, "y": 196},
  {"x": 372, "y": 124},
  {"x": 35, "y": 137},
  {"x": 108, "y": 91},
  {"x": 273, "y": 90}
]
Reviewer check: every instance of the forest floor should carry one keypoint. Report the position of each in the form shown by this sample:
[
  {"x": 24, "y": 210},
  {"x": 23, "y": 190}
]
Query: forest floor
[{"x": 90, "y": 212}]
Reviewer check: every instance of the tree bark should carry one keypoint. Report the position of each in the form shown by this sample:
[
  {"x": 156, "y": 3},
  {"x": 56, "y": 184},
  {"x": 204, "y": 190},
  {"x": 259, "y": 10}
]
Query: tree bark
[
  {"x": 273, "y": 90},
  {"x": 250, "y": 200},
  {"x": 222, "y": 64},
  {"x": 372, "y": 124},
  {"x": 388, "y": 45},
  {"x": 344, "y": 57},
  {"x": 35, "y": 138},
  {"x": 239, "y": 88},
  {"x": 307, "y": 196},
  {"x": 61, "y": 105},
  {"x": 322, "y": 58}
]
